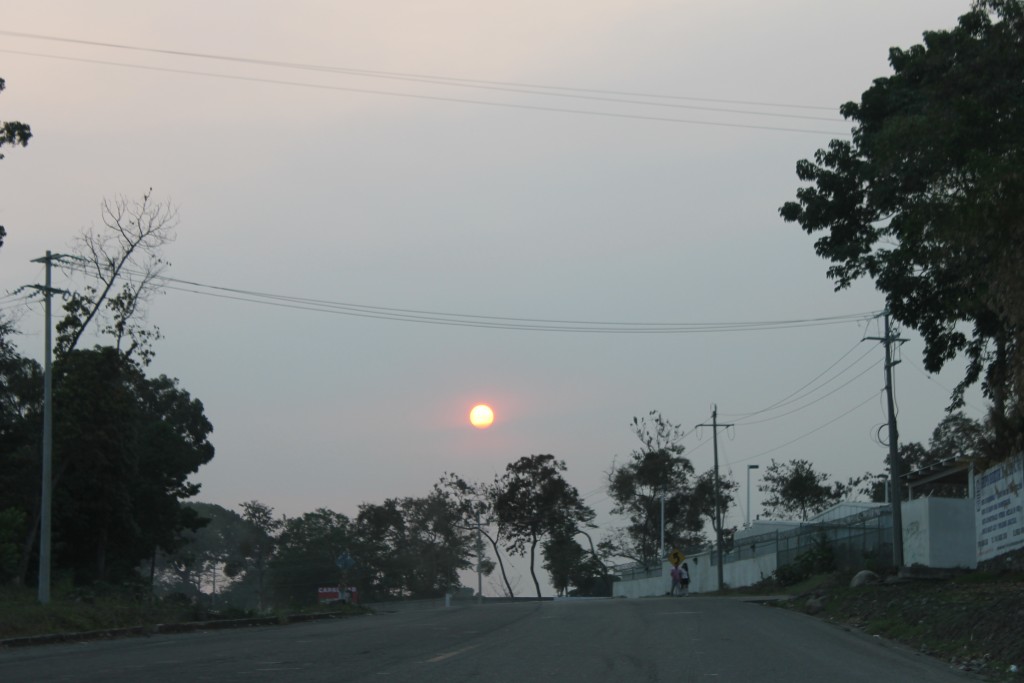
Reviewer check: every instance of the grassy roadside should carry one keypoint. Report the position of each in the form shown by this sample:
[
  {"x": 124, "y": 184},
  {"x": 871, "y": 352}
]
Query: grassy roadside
[
  {"x": 21, "y": 615},
  {"x": 972, "y": 621}
]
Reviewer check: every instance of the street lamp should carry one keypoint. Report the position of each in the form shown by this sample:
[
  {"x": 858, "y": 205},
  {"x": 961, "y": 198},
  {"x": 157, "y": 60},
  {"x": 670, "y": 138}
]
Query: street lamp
[{"x": 749, "y": 467}]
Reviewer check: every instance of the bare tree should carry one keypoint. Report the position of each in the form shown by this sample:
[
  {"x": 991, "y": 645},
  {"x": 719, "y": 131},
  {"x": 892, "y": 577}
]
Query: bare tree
[{"x": 124, "y": 258}]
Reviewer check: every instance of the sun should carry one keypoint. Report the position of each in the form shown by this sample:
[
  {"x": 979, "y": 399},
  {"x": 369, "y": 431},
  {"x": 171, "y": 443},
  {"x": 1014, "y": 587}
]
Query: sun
[{"x": 481, "y": 416}]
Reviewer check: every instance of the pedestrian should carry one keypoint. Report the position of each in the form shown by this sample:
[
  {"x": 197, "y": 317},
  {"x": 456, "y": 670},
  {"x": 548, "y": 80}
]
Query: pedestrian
[
  {"x": 677, "y": 578},
  {"x": 684, "y": 578}
]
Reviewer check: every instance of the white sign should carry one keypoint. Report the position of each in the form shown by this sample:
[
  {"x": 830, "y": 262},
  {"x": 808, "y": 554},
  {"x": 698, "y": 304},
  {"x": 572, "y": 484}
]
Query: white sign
[{"x": 999, "y": 508}]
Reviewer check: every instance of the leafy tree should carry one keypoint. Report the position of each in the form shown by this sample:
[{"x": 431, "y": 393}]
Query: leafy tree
[
  {"x": 955, "y": 436},
  {"x": 209, "y": 554},
  {"x": 12, "y": 133},
  {"x": 307, "y": 549},
  {"x": 258, "y": 545},
  {"x": 703, "y": 499},
  {"x": 926, "y": 198},
  {"x": 124, "y": 447},
  {"x": 379, "y": 537},
  {"x": 412, "y": 547},
  {"x": 534, "y": 502},
  {"x": 439, "y": 545},
  {"x": 563, "y": 557},
  {"x": 794, "y": 487},
  {"x": 657, "y": 469},
  {"x": 21, "y": 400},
  {"x": 475, "y": 503}
]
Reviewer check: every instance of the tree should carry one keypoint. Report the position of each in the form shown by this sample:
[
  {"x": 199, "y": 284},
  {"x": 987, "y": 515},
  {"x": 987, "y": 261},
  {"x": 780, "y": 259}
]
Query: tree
[
  {"x": 794, "y": 487},
  {"x": 955, "y": 436},
  {"x": 703, "y": 499},
  {"x": 307, "y": 549},
  {"x": 534, "y": 502},
  {"x": 21, "y": 401},
  {"x": 927, "y": 197},
  {"x": 124, "y": 448},
  {"x": 475, "y": 503},
  {"x": 412, "y": 547},
  {"x": 258, "y": 545},
  {"x": 204, "y": 556},
  {"x": 656, "y": 470},
  {"x": 12, "y": 133},
  {"x": 124, "y": 258}
]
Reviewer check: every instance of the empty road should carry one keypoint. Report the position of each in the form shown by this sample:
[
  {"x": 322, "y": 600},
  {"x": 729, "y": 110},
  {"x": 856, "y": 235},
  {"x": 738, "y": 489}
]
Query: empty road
[{"x": 676, "y": 640}]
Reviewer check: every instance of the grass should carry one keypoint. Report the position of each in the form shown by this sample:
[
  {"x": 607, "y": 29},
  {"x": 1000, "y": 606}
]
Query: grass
[{"x": 76, "y": 611}]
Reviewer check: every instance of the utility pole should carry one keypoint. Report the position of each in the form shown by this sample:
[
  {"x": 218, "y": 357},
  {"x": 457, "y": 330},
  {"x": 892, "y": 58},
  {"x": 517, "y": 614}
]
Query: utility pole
[
  {"x": 894, "y": 458},
  {"x": 749, "y": 467},
  {"x": 46, "y": 493},
  {"x": 718, "y": 493},
  {"x": 479, "y": 559}
]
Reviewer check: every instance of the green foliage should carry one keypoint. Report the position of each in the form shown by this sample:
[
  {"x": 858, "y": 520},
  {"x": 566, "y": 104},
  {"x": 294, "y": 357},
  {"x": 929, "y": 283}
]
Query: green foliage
[
  {"x": 794, "y": 487},
  {"x": 926, "y": 198},
  {"x": 12, "y": 133},
  {"x": 819, "y": 559},
  {"x": 12, "y": 529},
  {"x": 534, "y": 501},
  {"x": 411, "y": 547},
  {"x": 305, "y": 555},
  {"x": 657, "y": 469}
]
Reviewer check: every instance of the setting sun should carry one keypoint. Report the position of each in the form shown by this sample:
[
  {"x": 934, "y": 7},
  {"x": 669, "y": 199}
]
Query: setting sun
[{"x": 481, "y": 416}]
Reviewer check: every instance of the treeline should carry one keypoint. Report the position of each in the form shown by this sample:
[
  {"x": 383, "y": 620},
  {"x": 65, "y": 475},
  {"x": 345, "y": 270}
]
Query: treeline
[{"x": 414, "y": 547}]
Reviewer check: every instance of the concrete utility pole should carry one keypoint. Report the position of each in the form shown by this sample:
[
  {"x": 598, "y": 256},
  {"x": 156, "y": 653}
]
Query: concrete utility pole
[
  {"x": 896, "y": 497},
  {"x": 47, "y": 474},
  {"x": 718, "y": 493},
  {"x": 749, "y": 467},
  {"x": 479, "y": 560}
]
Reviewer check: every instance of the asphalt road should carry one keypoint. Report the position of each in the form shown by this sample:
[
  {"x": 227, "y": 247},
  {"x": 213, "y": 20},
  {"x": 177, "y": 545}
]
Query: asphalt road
[{"x": 660, "y": 639}]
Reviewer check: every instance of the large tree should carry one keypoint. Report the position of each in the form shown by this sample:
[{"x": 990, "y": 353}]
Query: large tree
[
  {"x": 794, "y": 487},
  {"x": 655, "y": 471},
  {"x": 535, "y": 502},
  {"x": 12, "y": 133},
  {"x": 124, "y": 448},
  {"x": 927, "y": 198},
  {"x": 259, "y": 544},
  {"x": 307, "y": 550}
]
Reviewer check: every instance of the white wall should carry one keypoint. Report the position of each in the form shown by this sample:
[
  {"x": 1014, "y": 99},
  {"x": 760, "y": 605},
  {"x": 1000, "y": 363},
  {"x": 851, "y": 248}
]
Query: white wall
[{"x": 939, "y": 532}]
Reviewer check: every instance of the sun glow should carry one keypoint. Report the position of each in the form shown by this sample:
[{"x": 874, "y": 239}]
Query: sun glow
[{"x": 481, "y": 416}]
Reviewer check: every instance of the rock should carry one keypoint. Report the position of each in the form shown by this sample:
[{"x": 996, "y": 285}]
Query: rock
[
  {"x": 814, "y": 605},
  {"x": 863, "y": 578}
]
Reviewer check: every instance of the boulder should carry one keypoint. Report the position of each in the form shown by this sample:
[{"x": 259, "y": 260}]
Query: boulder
[{"x": 863, "y": 578}]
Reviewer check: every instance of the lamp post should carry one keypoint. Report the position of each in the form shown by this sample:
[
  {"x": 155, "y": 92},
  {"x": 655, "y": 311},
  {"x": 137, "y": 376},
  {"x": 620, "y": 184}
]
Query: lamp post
[{"x": 749, "y": 467}]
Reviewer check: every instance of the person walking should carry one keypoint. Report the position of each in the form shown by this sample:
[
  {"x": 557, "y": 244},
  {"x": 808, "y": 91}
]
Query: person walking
[
  {"x": 677, "y": 578},
  {"x": 684, "y": 578}
]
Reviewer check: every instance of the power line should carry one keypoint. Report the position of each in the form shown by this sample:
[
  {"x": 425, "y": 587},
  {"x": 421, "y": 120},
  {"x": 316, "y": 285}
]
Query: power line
[
  {"x": 428, "y": 78},
  {"x": 479, "y": 321},
  {"x": 437, "y": 98},
  {"x": 813, "y": 431}
]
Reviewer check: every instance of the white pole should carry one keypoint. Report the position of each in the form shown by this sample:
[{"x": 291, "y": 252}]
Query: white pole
[{"x": 749, "y": 467}]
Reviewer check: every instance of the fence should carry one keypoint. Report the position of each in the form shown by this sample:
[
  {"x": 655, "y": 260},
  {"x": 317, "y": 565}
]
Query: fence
[{"x": 856, "y": 542}]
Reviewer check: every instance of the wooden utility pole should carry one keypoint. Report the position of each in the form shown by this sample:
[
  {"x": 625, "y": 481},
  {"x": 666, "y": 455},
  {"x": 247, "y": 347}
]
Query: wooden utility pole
[
  {"x": 718, "y": 494},
  {"x": 895, "y": 496}
]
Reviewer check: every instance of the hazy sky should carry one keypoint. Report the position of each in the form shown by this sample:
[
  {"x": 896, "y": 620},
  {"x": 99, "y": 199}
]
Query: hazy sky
[{"x": 397, "y": 190}]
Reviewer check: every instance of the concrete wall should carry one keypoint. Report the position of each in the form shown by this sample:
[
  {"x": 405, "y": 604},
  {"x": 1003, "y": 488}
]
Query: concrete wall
[
  {"x": 939, "y": 532},
  {"x": 703, "y": 576}
]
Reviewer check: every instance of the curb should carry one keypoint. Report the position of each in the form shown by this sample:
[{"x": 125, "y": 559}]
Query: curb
[{"x": 155, "y": 629}]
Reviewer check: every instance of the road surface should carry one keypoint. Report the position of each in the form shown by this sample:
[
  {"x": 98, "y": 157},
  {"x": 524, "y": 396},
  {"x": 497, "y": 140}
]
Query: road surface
[{"x": 677, "y": 640}]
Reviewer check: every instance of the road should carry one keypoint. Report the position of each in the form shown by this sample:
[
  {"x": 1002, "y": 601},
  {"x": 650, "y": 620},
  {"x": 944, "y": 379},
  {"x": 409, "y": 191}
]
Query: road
[{"x": 660, "y": 639}]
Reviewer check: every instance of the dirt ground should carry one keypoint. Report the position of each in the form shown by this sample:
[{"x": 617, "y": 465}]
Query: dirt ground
[{"x": 972, "y": 621}]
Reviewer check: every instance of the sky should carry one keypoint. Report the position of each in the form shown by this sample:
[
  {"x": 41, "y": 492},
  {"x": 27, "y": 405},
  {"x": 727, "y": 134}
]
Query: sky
[{"x": 613, "y": 167}]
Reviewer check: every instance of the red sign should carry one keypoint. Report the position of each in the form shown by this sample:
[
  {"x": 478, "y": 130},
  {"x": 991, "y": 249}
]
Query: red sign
[{"x": 328, "y": 593}]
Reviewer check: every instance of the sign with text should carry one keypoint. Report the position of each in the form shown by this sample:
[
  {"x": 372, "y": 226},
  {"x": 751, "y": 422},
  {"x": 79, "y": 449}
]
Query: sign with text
[
  {"x": 328, "y": 593},
  {"x": 999, "y": 508}
]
